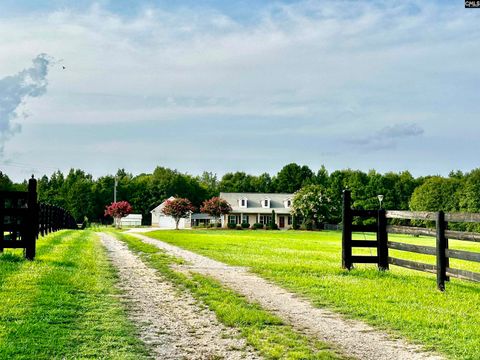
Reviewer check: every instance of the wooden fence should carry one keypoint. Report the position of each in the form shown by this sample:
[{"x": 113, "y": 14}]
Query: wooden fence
[
  {"x": 23, "y": 219},
  {"x": 441, "y": 251}
]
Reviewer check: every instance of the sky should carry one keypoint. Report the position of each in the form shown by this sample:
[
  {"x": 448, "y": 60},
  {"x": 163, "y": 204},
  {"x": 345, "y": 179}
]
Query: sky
[{"x": 248, "y": 86}]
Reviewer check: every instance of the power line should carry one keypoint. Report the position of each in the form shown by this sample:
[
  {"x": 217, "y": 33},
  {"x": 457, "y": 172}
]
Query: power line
[{"x": 27, "y": 166}]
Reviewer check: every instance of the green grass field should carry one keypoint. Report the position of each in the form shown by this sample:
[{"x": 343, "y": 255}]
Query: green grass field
[
  {"x": 401, "y": 301},
  {"x": 63, "y": 305},
  {"x": 265, "y": 332}
]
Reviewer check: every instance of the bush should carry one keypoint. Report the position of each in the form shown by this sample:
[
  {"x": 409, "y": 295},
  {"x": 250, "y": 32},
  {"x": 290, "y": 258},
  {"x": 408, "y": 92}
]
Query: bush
[
  {"x": 245, "y": 225},
  {"x": 239, "y": 227},
  {"x": 257, "y": 226},
  {"x": 219, "y": 225},
  {"x": 307, "y": 225},
  {"x": 231, "y": 225},
  {"x": 295, "y": 226},
  {"x": 273, "y": 226}
]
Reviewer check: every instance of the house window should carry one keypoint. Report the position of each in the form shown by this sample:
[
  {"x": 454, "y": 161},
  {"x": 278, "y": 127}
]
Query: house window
[
  {"x": 244, "y": 219},
  {"x": 265, "y": 219},
  {"x": 243, "y": 203},
  {"x": 289, "y": 203},
  {"x": 289, "y": 220},
  {"x": 266, "y": 203},
  {"x": 232, "y": 219}
]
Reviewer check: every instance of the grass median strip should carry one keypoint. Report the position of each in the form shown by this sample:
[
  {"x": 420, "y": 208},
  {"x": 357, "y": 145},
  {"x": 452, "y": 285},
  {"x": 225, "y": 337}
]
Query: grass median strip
[
  {"x": 308, "y": 263},
  {"x": 264, "y": 331},
  {"x": 63, "y": 304}
]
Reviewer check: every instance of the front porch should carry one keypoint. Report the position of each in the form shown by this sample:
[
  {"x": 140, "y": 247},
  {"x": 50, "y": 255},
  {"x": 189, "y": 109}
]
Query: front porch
[{"x": 283, "y": 221}]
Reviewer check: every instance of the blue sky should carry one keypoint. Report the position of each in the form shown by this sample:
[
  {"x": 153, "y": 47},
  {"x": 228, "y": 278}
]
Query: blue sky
[{"x": 246, "y": 85}]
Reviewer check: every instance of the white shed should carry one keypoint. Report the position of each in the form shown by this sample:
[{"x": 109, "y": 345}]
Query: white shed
[{"x": 131, "y": 220}]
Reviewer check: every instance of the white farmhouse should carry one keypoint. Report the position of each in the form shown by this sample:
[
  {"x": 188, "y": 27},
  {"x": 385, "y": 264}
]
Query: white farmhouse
[{"x": 257, "y": 208}]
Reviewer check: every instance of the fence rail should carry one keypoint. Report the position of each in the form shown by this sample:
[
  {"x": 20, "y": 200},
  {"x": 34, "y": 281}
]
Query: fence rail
[
  {"x": 23, "y": 219},
  {"x": 441, "y": 249}
]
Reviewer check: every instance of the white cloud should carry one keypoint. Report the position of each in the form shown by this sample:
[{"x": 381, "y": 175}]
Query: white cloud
[{"x": 14, "y": 89}]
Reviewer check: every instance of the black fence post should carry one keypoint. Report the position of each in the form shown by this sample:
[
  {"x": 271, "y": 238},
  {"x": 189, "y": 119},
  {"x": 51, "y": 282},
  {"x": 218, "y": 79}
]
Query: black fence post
[
  {"x": 42, "y": 219},
  {"x": 441, "y": 251},
  {"x": 50, "y": 219},
  {"x": 347, "y": 231},
  {"x": 382, "y": 240},
  {"x": 32, "y": 221}
]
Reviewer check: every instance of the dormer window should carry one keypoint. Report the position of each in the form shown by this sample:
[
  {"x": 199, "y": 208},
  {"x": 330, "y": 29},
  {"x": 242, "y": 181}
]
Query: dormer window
[
  {"x": 242, "y": 202},
  {"x": 287, "y": 203},
  {"x": 266, "y": 203}
]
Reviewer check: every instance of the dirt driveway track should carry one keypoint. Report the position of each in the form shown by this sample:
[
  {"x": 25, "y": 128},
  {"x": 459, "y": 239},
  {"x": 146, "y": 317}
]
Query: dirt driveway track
[{"x": 354, "y": 338}]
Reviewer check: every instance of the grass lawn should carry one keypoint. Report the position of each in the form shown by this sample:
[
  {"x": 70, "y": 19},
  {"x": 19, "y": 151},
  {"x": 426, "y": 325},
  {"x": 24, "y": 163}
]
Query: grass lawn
[
  {"x": 262, "y": 330},
  {"x": 403, "y": 301},
  {"x": 63, "y": 305}
]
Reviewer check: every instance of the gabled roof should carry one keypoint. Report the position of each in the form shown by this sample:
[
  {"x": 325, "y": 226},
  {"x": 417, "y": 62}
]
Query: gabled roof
[
  {"x": 160, "y": 207},
  {"x": 254, "y": 204},
  {"x": 133, "y": 217}
]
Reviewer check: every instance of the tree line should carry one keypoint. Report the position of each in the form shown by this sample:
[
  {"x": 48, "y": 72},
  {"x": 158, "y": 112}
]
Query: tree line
[{"x": 83, "y": 196}]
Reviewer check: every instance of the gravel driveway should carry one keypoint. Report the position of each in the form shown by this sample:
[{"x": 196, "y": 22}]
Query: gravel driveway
[
  {"x": 355, "y": 338},
  {"x": 171, "y": 322}
]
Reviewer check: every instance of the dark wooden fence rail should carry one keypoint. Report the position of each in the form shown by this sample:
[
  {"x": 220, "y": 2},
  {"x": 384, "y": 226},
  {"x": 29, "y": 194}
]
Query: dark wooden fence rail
[
  {"x": 441, "y": 250},
  {"x": 23, "y": 219}
]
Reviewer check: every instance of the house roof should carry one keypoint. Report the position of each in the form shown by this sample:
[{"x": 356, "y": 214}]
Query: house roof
[
  {"x": 160, "y": 207},
  {"x": 133, "y": 217},
  {"x": 254, "y": 202}
]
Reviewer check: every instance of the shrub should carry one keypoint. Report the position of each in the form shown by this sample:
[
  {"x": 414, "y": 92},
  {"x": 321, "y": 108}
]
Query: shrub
[
  {"x": 239, "y": 227},
  {"x": 245, "y": 225},
  {"x": 219, "y": 225},
  {"x": 257, "y": 226},
  {"x": 273, "y": 226},
  {"x": 231, "y": 225},
  {"x": 307, "y": 225}
]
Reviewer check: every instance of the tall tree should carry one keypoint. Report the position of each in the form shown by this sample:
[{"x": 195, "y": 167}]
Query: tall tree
[
  {"x": 209, "y": 182},
  {"x": 5, "y": 182},
  {"x": 312, "y": 204},
  {"x": 236, "y": 182},
  {"x": 293, "y": 177},
  {"x": 436, "y": 194}
]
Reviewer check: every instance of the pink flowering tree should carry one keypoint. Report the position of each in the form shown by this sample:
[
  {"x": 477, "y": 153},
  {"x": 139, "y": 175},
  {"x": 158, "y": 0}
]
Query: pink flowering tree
[
  {"x": 117, "y": 210},
  {"x": 178, "y": 208},
  {"x": 216, "y": 207}
]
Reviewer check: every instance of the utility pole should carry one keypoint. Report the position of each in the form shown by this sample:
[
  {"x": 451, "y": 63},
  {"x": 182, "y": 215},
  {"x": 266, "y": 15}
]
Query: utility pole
[{"x": 115, "y": 190}]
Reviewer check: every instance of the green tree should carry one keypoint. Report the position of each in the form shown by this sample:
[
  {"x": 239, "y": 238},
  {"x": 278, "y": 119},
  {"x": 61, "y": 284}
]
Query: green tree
[
  {"x": 236, "y": 182},
  {"x": 209, "y": 182},
  {"x": 5, "y": 182},
  {"x": 469, "y": 196},
  {"x": 262, "y": 183},
  {"x": 435, "y": 194},
  {"x": 312, "y": 204},
  {"x": 293, "y": 177}
]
